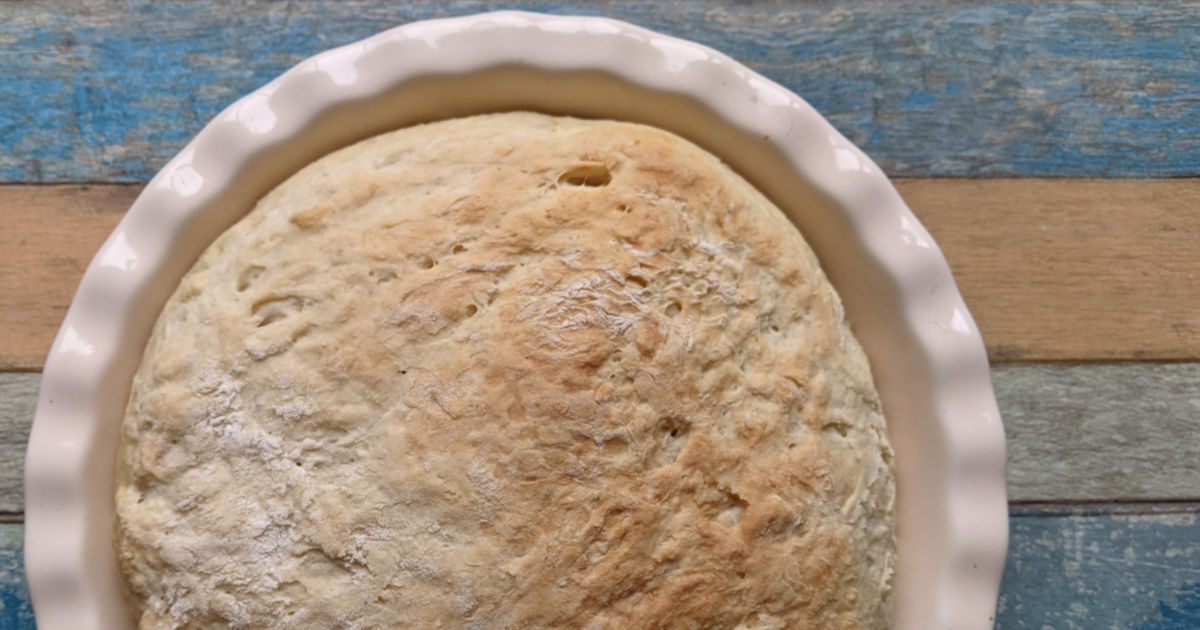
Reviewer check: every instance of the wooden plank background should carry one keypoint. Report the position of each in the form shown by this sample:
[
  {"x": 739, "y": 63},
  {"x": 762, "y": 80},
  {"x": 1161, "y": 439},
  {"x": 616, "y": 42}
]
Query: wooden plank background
[
  {"x": 15, "y": 611},
  {"x": 1077, "y": 433},
  {"x": 1089, "y": 570},
  {"x": 1053, "y": 270},
  {"x": 1074, "y": 239},
  {"x": 103, "y": 91}
]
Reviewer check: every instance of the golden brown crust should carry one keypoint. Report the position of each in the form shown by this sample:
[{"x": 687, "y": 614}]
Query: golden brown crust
[{"x": 508, "y": 371}]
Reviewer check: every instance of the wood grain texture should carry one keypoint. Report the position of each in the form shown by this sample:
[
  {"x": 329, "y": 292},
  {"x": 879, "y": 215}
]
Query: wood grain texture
[
  {"x": 1076, "y": 432},
  {"x": 1088, "y": 571},
  {"x": 1090, "y": 432},
  {"x": 1064, "y": 571},
  {"x": 18, "y": 399},
  {"x": 50, "y": 235},
  {"x": 1052, "y": 270},
  {"x": 108, "y": 91},
  {"x": 1101, "y": 432},
  {"x": 1072, "y": 269},
  {"x": 15, "y": 611}
]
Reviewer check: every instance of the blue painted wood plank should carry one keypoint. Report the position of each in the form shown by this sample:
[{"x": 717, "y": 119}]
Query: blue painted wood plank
[
  {"x": 1087, "y": 571},
  {"x": 15, "y": 611},
  {"x": 105, "y": 91},
  {"x": 1066, "y": 570}
]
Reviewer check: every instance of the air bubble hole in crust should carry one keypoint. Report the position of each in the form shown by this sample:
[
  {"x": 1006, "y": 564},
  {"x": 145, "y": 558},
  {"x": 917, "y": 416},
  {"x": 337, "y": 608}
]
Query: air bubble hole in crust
[
  {"x": 840, "y": 428},
  {"x": 382, "y": 275},
  {"x": 672, "y": 437},
  {"x": 673, "y": 309},
  {"x": 590, "y": 175},
  {"x": 274, "y": 309},
  {"x": 248, "y": 276},
  {"x": 729, "y": 510},
  {"x": 427, "y": 263}
]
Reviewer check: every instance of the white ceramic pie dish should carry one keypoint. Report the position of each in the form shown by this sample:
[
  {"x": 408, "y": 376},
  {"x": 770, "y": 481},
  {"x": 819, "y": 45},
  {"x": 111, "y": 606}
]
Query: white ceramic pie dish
[{"x": 925, "y": 351}]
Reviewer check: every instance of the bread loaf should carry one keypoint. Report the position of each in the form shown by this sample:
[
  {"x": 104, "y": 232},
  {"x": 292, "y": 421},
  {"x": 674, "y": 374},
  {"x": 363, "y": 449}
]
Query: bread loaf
[{"x": 500, "y": 372}]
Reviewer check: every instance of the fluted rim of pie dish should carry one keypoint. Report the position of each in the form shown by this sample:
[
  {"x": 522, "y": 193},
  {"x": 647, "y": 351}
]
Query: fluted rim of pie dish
[{"x": 58, "y": 554}]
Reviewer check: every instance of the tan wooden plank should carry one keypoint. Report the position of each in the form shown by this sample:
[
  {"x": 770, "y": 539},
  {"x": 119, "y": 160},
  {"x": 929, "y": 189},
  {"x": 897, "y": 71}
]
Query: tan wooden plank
[
  {"x": 1072, "y": 270},
  {"x": 50, "y": 234},
  {"x": 1053, "y": 270}
]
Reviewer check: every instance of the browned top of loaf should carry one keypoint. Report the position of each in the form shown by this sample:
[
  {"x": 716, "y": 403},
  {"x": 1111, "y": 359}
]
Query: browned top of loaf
[{"x": 508, "y": 371}]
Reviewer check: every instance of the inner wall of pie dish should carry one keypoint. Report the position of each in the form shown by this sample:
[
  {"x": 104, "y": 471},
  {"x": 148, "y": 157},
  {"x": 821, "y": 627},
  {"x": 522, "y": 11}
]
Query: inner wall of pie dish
[{"x": 871, "y": 296}]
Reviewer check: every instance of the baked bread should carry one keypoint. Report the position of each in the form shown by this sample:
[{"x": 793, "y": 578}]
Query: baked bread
[{"x": 507, "y": 371}]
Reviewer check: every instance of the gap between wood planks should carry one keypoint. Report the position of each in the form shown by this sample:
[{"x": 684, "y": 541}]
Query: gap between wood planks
[
  {"x": 1052, "y": 269},
  {"x": 1102, "y": 508},
  {"x": 1016, "y": 510}
]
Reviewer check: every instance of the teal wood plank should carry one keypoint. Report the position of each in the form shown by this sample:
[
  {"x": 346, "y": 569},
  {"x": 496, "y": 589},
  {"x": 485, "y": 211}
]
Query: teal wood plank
[
  {"x": 1079, "y": 569},
  {"x": 1066, "y": 569},
  {"x": 106, "y": 91},
  {"x": 15, "y": 611}
]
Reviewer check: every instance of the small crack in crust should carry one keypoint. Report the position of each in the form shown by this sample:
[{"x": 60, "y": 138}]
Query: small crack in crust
[{"x": 507, "y": 371}]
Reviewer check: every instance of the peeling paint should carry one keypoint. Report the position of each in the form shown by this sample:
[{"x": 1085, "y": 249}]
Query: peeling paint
[
  {"x": 102, "y": 92},
  {"x": 15, "y": 611},
  {"x": 1089, "y": 571}
]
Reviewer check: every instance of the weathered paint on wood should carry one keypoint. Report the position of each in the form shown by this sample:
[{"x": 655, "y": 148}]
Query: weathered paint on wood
[
  {"x": 1089, "y": 571},
  {"x": 1090, "y": 432},
  {"x": 106, "y": 91},
  {"x": 18, "y": 399},
  {"x": 1053, "y": 270},
  {"x": 15, "y": 611},
  {"x": 1084, "y": 571},
  {"x": 1101, "y": 432}
]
